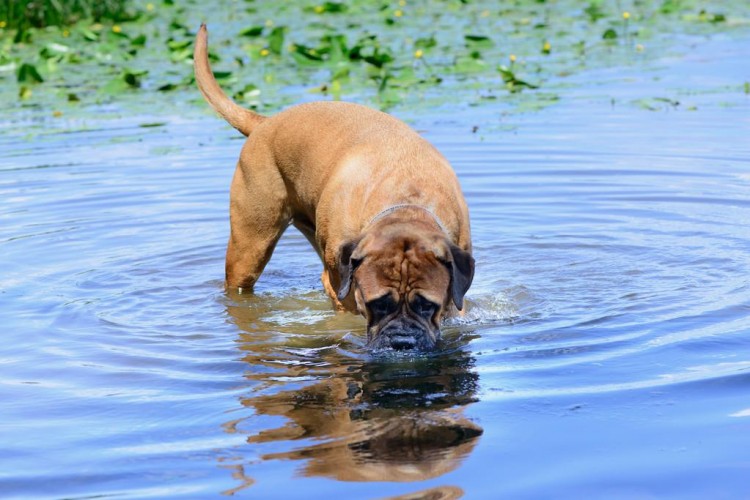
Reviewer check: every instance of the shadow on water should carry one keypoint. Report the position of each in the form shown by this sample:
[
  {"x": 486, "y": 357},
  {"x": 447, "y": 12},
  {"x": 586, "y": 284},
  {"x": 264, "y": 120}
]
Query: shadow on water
[{"x": 351, "y": 416}]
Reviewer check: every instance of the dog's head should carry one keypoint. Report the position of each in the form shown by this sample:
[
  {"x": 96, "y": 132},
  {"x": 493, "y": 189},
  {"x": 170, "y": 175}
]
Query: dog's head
[{"x": 404, "y": 278}]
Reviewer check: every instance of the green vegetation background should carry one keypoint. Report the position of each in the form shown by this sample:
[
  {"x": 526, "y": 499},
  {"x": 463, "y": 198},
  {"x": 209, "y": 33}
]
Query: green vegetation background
[{"x": 64, "y": 56}]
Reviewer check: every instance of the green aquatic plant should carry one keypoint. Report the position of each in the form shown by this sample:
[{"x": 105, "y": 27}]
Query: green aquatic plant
[
  {"x": 24, "y": 14},
  {"x": 268, "y": 54},
  {"x": 27, "y": 73},
  {"x": 512, "y": 82}
]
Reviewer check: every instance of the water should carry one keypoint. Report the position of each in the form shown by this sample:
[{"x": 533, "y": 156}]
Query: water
[{"x": 606, "y": 350}]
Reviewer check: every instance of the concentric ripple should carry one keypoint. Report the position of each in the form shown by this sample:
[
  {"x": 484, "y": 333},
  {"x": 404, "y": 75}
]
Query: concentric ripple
[{"x": 605, "y": 339}]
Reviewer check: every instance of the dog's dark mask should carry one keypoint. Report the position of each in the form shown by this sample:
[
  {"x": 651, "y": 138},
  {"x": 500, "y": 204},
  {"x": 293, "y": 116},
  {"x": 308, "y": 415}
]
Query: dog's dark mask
[
  {"x": 403, "y": 285},
  {"x": 403, "y": 323}
]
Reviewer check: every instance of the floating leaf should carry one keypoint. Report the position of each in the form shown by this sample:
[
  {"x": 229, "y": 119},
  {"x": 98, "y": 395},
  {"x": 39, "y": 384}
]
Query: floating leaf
[
  {"x": 57, "y": 48},
  {"x": 336, "y": 89},
  {"x": 425, "y": 43},
  {"x": 656, "y": 103},
  {"x": 128, "y": 79},
  {"x": 670, "y": 6},
  {"x": 120, "y": 34},
  {"x": 252, "y": 32},
  {"x": 668, "y": 101},
  {"x": 167, "y": 87},
  {"x": 114, "y": 86},
  {"x": 249, "y": 95},
  {"x": 335, "y": 7},
  {"x": 478, "y": 41},
  {"x": 369, "y": 50},
  {"x": 176, "y": 25},
  {"x": 341, "y": 73},
  {"x": 306, "y": 54},
  {"x": 46, "y": 53},
  {"x": 222, "y": 75},
  {"x": 512, "y": 82},
  {"x": 90, "y": 35},
  {"x": 175, "y": 45},
  {"x": 133, "y": 78},
  {"x": 594, "y": 11},
  {"x": 646, "y": 104},
  {"x": 468, "y": 64},
  {"x": 27, "y": 73},
  {"x": 276, "y": 39},
  {"x": 139, "y": 41},
  {"x": 334, "y": 47},
  {"x": 180, "y": 50},
  {"x": 22, "y": 36},
  {"x": 328, "y": 8},
  {"x": 378, "y": 58},
  {"x": 609, "y": 34}
]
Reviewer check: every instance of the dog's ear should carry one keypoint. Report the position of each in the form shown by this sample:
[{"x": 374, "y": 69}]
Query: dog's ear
[
  {"x": 461, "y": 267},
  {"x": 347, "y": 263}
]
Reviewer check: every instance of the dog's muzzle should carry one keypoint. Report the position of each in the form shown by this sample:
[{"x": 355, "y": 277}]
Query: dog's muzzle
[{"x": 404, "y": 334}]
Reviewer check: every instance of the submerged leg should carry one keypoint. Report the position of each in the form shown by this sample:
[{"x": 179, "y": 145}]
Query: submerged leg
[{"x": 258, "y": 216}]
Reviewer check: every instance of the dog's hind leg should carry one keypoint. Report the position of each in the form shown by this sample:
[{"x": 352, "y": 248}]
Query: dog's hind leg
[{"x": 258, "y": 216}]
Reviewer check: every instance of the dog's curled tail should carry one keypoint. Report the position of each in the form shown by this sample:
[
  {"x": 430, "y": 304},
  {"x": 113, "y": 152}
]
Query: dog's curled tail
[{"x": 240, "y": 118}]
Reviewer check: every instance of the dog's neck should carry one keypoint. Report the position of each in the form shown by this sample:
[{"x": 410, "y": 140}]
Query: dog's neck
[{"x": 403, "y": 206}]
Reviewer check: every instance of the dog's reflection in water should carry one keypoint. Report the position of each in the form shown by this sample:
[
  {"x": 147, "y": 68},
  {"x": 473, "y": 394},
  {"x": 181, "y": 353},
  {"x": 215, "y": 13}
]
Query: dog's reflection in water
[{"x": 379, "y": 421}]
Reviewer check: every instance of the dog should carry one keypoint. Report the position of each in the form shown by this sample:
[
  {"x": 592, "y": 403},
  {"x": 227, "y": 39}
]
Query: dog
[{"x": 381, "y": 206}]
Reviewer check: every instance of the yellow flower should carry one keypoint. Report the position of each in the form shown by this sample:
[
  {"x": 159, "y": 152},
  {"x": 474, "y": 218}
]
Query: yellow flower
[
  {"x": 149, "y": 7},
  {"x": 512, "y": 58},
  {"x": 398, "y": 13},
  {"x": 66, "y": 33},
  {"x": 626, "y": 15},
  {"x": 116, "y": 28},
  {"x": 546, "y": 47},
  {"x": 319, "y": 8},
  {"x": 264, "y": 52},
  {"x": 3, "y": 24},
  {"x": 57, "y": 114},
  {"x": 418, "y": 53},
  {"x": 639, "y": 48},
  {"x": 269, "y": 22}
]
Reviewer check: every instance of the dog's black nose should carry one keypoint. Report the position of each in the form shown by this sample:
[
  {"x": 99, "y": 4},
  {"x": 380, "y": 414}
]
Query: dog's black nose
[{"x": 403, "y": 342}]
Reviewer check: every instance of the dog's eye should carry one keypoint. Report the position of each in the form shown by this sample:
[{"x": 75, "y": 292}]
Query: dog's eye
[
  {"x": 423, "y": 307},
  {"x": 382, "y": 306}
]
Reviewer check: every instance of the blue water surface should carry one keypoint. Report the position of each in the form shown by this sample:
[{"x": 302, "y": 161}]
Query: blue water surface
[{"x": 606, "y": 351}]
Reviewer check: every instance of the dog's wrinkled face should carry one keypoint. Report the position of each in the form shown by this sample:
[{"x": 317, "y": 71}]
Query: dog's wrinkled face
[
  {"x": 404, "y": 279},
  {"x": 402, "y": 293}
]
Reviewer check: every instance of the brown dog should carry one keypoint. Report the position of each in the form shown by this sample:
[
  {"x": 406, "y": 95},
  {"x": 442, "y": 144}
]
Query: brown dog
[{"x": 380, "y": 205}]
